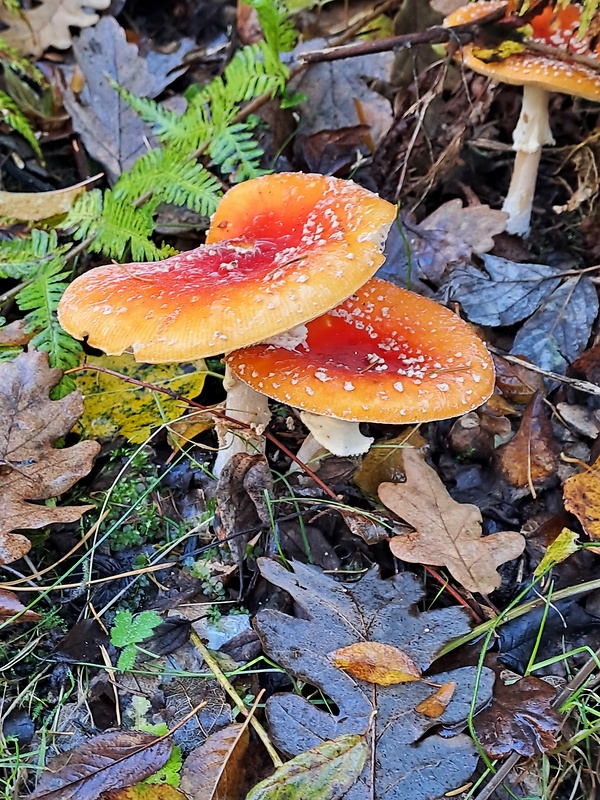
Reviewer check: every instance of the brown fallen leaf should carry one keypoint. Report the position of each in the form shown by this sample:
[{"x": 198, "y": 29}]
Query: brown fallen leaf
[
  {"x": 531, "y": 456},
  {"x": 215, "y": 770},
  {"x": 31, "y": 469},
  {"x": 109, "y": 761},
  {"x": 25, "y": 206},
  {"x": 14, "y": 334},
  {"x": 446, "y": 533},
  {"x": 581, "y": 494},
  {"x": 434, "y": 706},
  {"x": 376, "y": 663},
  {"x": 48, "y": 24},
  {"x": 10, "y": 605},
  {"x": 520, "y": 718}
]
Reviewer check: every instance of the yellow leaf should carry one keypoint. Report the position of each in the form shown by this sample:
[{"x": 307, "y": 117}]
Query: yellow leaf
[
  {"x": 376, "y": 663},
  {"x": 561, "y": 548},
  {"x": 114, "y": 406},
  {"x": 582, "y": 498}
]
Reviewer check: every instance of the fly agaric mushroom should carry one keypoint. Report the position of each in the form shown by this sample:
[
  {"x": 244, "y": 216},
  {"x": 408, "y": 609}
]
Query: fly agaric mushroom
[
  {"x": 281, "y": 250},
  {"x": 539, "y": 73},
  {"x": 383, "y": 355}
]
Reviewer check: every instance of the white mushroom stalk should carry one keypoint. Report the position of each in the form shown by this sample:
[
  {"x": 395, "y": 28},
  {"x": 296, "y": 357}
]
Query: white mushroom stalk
[
  {"x": 249, "y": 407},
  {"x": 530, "y": 135},
  {"x": 338, "y": 436}
]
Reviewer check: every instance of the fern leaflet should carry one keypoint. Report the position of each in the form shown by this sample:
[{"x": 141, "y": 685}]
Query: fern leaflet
[
  {"x": 235, "y": 151},
  {"x": 168, "y": 175},
  {"x": 14, "y": 118},
  {"x": 21, "y": 258}
]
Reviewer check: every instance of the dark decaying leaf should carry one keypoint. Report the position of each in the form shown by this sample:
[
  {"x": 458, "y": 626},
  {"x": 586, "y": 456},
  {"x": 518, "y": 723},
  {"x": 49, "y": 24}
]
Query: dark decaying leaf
[
  {"x": 215, "y": 770},
  {"x": 505, "y": 293},
  {"x": 111, "y": 130},
  {"x": 516, "y": 382},
  {"x": 520, "y": 718},
  {"x": 560, "y": 330},
  {"x": 109, "y": 761},
  {"x": 242, "y": 505},
  {"x": 82, "y": 642},
  {"x": 410, "y": 760},
  {"x": 145, "y": 791},
  {"x": 325, "y": 772},
  {"x": 450, "y": 235},
  {"x": 31, "y": 468},
  {"x": 531, "y": 456},
  {"x": 10, "y": 605}
]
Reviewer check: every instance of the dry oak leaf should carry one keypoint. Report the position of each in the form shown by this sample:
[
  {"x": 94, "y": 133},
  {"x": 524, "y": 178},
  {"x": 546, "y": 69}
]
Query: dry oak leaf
[
  {"x": 446, "y": 533},
  {"x": 12, "y": 610},
  {"x": 581, "y": 494},
  {"x": 48, "y": 24},
  {"x": 216, "y": 769},
  {"x": 31, "y": 469}
]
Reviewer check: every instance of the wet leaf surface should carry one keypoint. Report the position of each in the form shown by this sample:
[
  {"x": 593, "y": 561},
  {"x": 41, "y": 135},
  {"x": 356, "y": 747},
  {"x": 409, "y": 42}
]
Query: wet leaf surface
[
  {"x": 109, "y": 761},
  {"x": 521, "y": 719},
  {"x": 31, "y": 468},
  {"x": 446, "y": 533},
  {"x": 334, "y": 615},
  {"x": 503, "y": 292},
  {"x": 145, "y": 791},
  {"x": 560, "y": 329},
  {"x": 216, "y": 769},
  {"x": 324, "y": 772}
]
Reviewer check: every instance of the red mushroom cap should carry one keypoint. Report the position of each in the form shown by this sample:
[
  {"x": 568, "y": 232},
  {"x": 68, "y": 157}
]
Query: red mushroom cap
[
  {"x": 296, "y": 245},
  {"x": 383, "y": 355},
  {"x": 556, "y": 28}
]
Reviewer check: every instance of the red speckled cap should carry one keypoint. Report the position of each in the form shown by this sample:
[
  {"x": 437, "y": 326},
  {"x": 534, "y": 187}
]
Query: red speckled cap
[
  {"x": 281, "y": 250},
  {"x": 383, "y": 355}
]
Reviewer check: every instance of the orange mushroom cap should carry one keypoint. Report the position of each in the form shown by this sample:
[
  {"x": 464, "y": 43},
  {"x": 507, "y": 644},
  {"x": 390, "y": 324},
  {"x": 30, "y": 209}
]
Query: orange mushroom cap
[
  {"x": 556, "y": 28},
  {"x": 282, "y": 249},
  {"x": 383, "y": 355}
]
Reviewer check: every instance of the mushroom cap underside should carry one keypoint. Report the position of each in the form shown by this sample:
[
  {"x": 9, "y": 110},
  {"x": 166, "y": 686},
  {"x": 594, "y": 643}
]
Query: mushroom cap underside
[
  {"x": 383, "y": 355},
  {"x": 297, "y": 254}
]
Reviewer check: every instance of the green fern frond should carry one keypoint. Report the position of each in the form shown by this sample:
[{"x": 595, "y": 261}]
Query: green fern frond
[
  {"x": 40, "y": 298},
  {"x": 12, "y": 6},
  {"x": 278, "y": 29},
  {"x": 168, "y": 175},
  {"x": 21, "y": 258},
  {"x": 15, "y": 119},
  {"x": 236, "y": 152},
  {"x": 113, "y": 226},
  {"x": 12, "y": 59},
  {"x": 164, "y": 123}
]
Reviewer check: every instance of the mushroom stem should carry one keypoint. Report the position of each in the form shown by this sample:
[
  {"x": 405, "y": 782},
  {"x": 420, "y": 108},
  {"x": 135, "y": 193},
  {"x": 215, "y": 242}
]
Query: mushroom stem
[
  {"x": 531, "y": 134},
  {"x": 339, "y": 436},
  {"x": 310, "y": 453},
  {"x": 248, "y": 406}
]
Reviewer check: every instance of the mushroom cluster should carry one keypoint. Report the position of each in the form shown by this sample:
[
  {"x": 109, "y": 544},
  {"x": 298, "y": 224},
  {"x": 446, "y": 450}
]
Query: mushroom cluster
[
  {"x": 284, "y": 286},
  {"x": 552, "y": 59}
]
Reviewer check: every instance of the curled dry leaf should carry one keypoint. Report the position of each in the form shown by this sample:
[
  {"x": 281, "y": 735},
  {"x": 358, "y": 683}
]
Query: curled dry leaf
[
  {"x": 376, "y": 663},
  {"x": 26, "y": 206},
  {"x": 434, "y": 706},
  {"x": 215, "y": 770},
  {"x": 565, "y": 544},
  {"x": 446, "y": 533},
  {"x": 11, "y": 606},
  {"x": 31, "y": 469},
  {"x": 109, "y": 761},
  {"x": 145, "y": 791},
  {"x": 520, "y": 718},
  {"x": 531, "y": 456},
  {"x": 48, "y": 24},
  {"x": 581, "y": 495}
]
